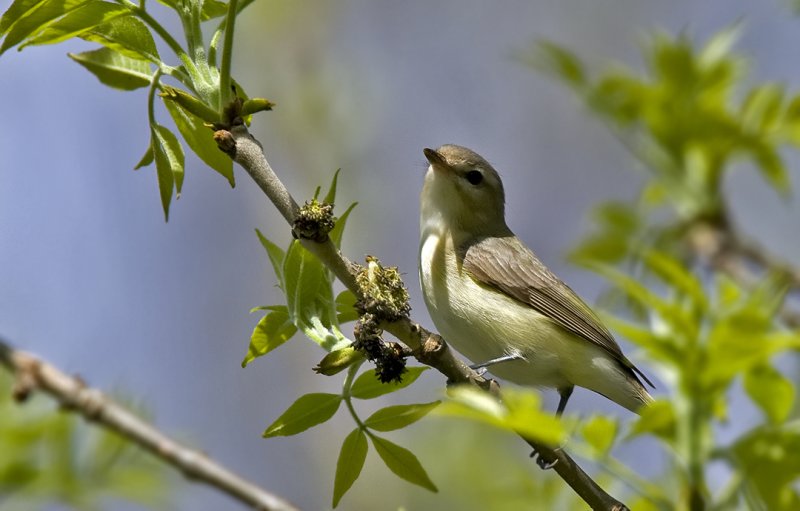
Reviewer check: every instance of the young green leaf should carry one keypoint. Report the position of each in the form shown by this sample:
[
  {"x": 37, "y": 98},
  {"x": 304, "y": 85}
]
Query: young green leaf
[
  {"x": 127, "y": 35},
  {"x": 600, "y": 432},
  {"x": 338, "y": 360},
  {"x": 338, "y": 229},
  {"x": 558, "y": 62},
  {"x": 367, "y": 385},
  {"x": 78, "y": 21},
  {"x": 201, "y": 140},
  {"x": 169, "y": 163},
  {"x": 330, "y": 197},
  {"x": 213, "y": 9},
  {"x": 402, "y": 462},
  {"x": 24, "y": 18},
  {"x": 346, "y": 307},
  {"x": 771, "y": 391},
  {"x": 276, "y": 256},
  {"x": 520, "y": 411},
  {"x": 350, "y": 462},
  {"x": 147, "y": 158},
  {"x": 658, "y": 418},
  {"x": 309, "y": 296},
  {"x": 273, "y": 330},
  {"x": 672, "y": 272},
  {"x": 115, "y": 69},
  {"x": 308, "y": 411},
  {"x": 398, "y": 416}
]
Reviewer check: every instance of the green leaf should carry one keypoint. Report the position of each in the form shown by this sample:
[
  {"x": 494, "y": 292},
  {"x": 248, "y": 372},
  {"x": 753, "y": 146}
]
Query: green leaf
[
  {"x": 767, "y": 458},
  {"x": 308, "y": 411},
  {"x": 213, "y": 9},
  {"x": 402, "y": 462},
  {"x": 15, "y": 11},
  {"x": 330, "y": 197},
  {"x": 201, "y": 140},
  {"x": 78, "y": 21},
  {"x": 114, "y": 69},
  {"x": 673, "y": 273},
  {"x": 398, "y": 416},
  {"x": 346, "y": 307},
  {"x": 338, "y": 229},
  {"x": 169, "y": 163},
  {"x": 558, "y": 62},
  {"x": 338, "y": 360},
  {"x": 658, "y": 418},
  {"x": 276, "y": 256},
  {"x": 350, "y": 462},
  {"x": 274, "y": 329},
  {"x": 771, "y": 391},
  {"x": 367, "y": 385},
  {"x": 761, "y": 107},
  {"x": 147, "y": 158},
  {"x": 520, "y": 411},
  {"x": 35, "y": 17},
  {"x": 127, "y": 35},
  {"x": 600, "y": 432},
  {"x": 772, "y": 168},
  {"x": 309, "y": 296}
]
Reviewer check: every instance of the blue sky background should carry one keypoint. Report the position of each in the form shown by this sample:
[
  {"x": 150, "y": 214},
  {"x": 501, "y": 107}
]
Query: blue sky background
[{"x": 93, "y": 279}]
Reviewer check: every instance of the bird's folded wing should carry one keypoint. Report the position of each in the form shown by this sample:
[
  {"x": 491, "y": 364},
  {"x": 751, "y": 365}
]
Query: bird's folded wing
[{"x": 506, "y": 264}]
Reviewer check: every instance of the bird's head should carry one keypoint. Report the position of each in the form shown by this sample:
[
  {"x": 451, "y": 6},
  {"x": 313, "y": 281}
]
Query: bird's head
[{"x": 463, "y": 192}]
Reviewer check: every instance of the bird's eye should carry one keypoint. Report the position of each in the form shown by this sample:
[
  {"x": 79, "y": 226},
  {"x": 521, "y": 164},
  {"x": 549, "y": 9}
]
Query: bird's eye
[{"x": 474, "y": 177}]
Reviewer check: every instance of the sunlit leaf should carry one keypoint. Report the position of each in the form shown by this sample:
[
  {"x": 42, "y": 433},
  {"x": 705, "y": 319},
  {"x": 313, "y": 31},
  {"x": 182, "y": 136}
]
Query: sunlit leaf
[
  {"x": 350, "y": 462},
  {"x": 398, "y": 416},
  {"x": 557, "y": 61},
  {"x": 114, "y": 69},
  {"x": 201, "y": 140},
  {"x": 25, "y": 18},
  {"x": 771, "y": 391},
  {"x": 127, "y": 35},
  {"x": 274, "y": 329},
  {"x": 658, "y": 418},
  {"x": 308, "y": 411},
  {"x": 600, "y": 432},
  {"x": 78, "y": 21},
  {"x": 402, "y": 462},
  {"x": 768, "y": 459},
  {"x": 276, "y": 256},
  {"x": 519, "y": 412},
  {"x": 368, "y": 386}
]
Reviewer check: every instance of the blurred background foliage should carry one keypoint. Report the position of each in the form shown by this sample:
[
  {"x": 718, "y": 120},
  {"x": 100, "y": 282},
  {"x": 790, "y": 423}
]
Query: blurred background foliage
[
  {"x": 709, "y": 309},
  {"x": 52, "y": 459}
]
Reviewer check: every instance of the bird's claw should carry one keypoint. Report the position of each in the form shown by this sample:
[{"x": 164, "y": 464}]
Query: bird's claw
[{"x": 543, "y": 463}]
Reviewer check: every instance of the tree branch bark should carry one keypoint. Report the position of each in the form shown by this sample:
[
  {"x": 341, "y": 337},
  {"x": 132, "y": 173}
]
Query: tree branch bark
[
  {"x": 429, "y": 348},
  {"x": 34, "y": 374}
]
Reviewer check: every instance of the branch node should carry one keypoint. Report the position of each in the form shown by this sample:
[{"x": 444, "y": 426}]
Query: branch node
[
  {"x": 225, "y": 142},
  {"x": 314, "y": 221},
  {"x": 390, "y": 363}
]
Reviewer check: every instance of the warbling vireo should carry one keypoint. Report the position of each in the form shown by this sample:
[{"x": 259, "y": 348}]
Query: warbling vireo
[{"x": 497, "y": 303}]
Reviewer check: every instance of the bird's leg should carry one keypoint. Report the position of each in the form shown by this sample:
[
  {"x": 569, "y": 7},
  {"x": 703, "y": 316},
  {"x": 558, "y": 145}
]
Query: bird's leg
[
  {"x": 481, "y": 368},
  {"x": 565, "y": 393}
]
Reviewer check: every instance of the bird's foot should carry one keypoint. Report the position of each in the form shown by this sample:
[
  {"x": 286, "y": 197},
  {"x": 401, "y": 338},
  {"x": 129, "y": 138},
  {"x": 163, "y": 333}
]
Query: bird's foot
[{"x": 543, "y": 462}]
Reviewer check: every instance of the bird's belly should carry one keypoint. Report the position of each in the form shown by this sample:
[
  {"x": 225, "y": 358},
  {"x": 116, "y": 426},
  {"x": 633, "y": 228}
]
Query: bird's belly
[{"x": 483, "y": 324}]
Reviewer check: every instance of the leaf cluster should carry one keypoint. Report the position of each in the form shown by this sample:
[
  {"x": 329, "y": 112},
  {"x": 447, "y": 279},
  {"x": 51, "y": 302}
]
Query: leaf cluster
[{"x": 129, "y": 59}]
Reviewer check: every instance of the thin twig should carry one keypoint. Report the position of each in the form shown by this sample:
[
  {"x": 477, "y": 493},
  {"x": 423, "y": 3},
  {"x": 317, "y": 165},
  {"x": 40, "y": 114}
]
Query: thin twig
[
  {"x": 429, "y": 348},
  {"x": 34, "y": 374}
]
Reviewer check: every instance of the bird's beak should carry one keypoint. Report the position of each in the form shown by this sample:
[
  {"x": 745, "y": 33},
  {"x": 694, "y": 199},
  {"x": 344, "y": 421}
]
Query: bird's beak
[{"x": 436, "y": 160}]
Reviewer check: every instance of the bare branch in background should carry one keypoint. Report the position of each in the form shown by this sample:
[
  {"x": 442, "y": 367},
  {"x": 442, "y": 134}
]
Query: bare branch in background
[{"x": 34, "y": 374}]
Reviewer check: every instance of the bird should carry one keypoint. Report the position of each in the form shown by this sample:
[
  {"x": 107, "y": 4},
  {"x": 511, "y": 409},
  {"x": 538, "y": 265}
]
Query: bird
[{"x": 494, "y": 300}]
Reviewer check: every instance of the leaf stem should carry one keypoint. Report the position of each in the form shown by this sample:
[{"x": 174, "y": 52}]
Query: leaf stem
[
  {"x": 151, "y": 96},
  {"x": 227, "y": 54},
  {"x": 348, "y": 399}
]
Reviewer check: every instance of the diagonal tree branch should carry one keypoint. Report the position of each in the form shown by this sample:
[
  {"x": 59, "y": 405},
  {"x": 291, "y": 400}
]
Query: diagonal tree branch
[
  {"x": 725, "y": 249},
  {"x": 33, "y": 374},
  {"x": 429, "y": 348}
]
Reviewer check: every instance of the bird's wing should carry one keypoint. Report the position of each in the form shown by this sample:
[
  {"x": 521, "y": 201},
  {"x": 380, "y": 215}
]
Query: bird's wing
[{"x": 506, "y": 264}]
